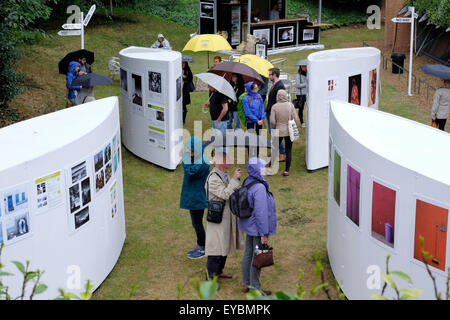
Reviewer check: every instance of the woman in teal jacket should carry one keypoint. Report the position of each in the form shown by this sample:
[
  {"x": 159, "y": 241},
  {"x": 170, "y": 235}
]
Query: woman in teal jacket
[{"x": 193, "y": 195}]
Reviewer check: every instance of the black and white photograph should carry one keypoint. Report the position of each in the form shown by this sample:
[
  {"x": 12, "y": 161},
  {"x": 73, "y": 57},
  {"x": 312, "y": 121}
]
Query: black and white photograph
[
  {"x": 160, "y": 116},
  {"x": 81, "y": 217},
  {"x": 286, "y": 34},
  {"x": 107, "y": 155},
  {"x": 75, "y": 199},
  {"x": 114, "y": 210},
  {"x": 123, "y": 80},
  {"x": 98, "y": 161},
  {"x": 99, "y": 180},
  {"x": 178, "y": 88},
  {"x": 207, "y": 10},
  {"x": 262, "y": 34},
  {"x": 154, "y": 81},
  {"x": 137, "y": 92},
  {"x": 79, "y": 172},
  {"x": 17, "y": 226},
  {"x": 308, "y": 34},
  {"x": 108, "y": 172},
  {"x": 86, "y": 191},
  {"x": 41, "y": 188},
  {"x": 260, "y": 50}
]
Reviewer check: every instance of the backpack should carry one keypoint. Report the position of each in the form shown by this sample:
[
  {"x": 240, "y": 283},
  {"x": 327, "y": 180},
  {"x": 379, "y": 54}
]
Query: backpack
[{"x": 239, "y": 204}]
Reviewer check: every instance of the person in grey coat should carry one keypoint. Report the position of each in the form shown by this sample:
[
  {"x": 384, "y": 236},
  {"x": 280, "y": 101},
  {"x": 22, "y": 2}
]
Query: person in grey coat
[
  {"x": 302, "y": 90},
  {"x": 162, "y": 43},
  {"x": 441, "y": 105}
]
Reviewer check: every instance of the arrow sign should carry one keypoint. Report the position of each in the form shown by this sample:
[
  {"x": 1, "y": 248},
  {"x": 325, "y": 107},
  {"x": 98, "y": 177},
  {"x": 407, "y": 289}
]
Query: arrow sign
[
  {"x": 71, "y": 26},
  {"x": 69, "y": 33},
  {"x": 89, "y": 15},
  {"x": 402, "y": 20}
]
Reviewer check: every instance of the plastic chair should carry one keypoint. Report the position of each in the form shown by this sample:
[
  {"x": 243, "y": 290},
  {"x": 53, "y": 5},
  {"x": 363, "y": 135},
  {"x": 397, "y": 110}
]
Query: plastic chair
[{"x": 114, "y": 66}]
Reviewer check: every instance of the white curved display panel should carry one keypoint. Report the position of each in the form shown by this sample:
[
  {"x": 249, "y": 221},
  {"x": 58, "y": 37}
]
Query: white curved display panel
[
  {"x": 350, "y": 75},
  {"x": 61, "y": 192},
  {"x": 389, "y": 183},
  {"x": 151, "y": 86}
]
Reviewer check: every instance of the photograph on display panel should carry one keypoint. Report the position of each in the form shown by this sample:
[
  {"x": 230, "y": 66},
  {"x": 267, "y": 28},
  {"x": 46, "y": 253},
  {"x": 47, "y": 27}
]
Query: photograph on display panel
[
  {"x": 262, "y": 34},
  {"x": 353, "y": 192},
  {"x": 207, "y": 10},
  {"x": 285, "y": 34},
  {"x": 79, "y": 172},
  {"x": 354, "y": 89},
  {"x": 107, "y": 153},
  {"x": 75, "y": 199},
  {"x": 123, "y": 80},
  {"x": 137, "y": 89},
  {"x": 383, "y": 213},
  {"x": 178, "y": 88},
  {"x": 16, "y": 199},
  {"x": 81, "y": 217},
  {"x": 372, "y": 87},
  {"x": 154, "y": 81},
  {"x": 431, "y": 224},
  {"x": 308, "y": 34},
  {"x": 98, "y": 160},
  {"x": 86, "y": 191},
  {"x": 17, "y": 226},
  {"x": 99, "y": 180},
  {"x": 337, "y": 178}
]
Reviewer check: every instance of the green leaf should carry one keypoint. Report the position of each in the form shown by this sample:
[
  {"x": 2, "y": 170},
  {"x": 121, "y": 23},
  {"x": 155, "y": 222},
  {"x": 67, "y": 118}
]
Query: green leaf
[
  {"x": 410, "y": 294},
  {"x": 19, "y": 266},
  {"x": 5, "y": 274},
  {"x": 389, "y": 281},
  {"x": 254, "y": 295},
  {"x": 40, "y": 289},
  {"x": 379, "y": 297},
  {"x": 401, "y": 275},
  {"x": 208, "y": 289},
  {"x": 281, "y": 295},
  {"x": 85, "y": 295},
  {"x": 30, "y": 275}
]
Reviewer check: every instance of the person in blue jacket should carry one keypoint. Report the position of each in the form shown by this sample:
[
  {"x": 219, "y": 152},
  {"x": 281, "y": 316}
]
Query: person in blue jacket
[
  {"x": 253, "y": 106},
  {"x": 260, "y": 225},
  {"x": 74, "y": 68},
  {"x": 193, "y": 194}
]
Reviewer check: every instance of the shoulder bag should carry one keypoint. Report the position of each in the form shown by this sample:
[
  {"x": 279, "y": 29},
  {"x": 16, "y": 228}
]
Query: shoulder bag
[
  {"x": 215, "y": 208},
  {"x": 293, "y": 130}
]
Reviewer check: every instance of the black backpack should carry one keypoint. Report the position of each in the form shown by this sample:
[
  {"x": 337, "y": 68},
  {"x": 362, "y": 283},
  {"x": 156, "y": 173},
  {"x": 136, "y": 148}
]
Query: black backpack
[{"x": 239, "y": 201}]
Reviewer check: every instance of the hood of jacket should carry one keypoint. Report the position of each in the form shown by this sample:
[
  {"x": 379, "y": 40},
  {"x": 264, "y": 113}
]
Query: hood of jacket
[
  {"x": 248, "y": 86},
  {"x": 195, "y": 144},
  {"x": 282, "y": 96},
  {"x": 256, "y": 167},
  {"x": 72, "y": 66}
]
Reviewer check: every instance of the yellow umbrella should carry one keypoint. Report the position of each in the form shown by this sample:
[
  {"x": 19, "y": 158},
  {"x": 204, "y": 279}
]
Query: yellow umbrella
[
  {"x": 207, "y": 42},
  {"x": 259, "y": 64}
]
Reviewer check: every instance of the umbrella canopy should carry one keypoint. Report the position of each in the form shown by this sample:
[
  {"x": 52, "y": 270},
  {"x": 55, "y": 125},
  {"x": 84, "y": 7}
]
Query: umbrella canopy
[
  {"x": 207, "y": 42},
  {"x": 187, "y": 59},
  {"x": 261, "y": 65},
  {"x": 438, "y": 70},
  {"x": 226, "y": 68},
  {"x": 303, "y": 62},
  {"x": 219, "y": 83},
  {"x": 91, "y": 79},
  {"x": 63, "y": 65}
]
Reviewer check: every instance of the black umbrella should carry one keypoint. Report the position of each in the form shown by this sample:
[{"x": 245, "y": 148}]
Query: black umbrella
[
  {"x": 437, "y": 70},
  {"x": 91, "y": 79},
  {"x": 63, "y": 65}
]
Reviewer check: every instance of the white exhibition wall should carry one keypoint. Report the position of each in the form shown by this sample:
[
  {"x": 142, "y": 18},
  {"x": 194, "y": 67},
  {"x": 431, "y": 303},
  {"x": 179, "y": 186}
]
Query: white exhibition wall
[
  {"x": 350, "y": 75},
  {"x": 62, "y": 203},
  {"x": 388, "y": 185},
  {"x": 151, "y": 86}
]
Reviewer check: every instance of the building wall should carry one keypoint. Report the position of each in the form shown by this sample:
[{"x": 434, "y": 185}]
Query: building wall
[{"x": 391, "y": 7}]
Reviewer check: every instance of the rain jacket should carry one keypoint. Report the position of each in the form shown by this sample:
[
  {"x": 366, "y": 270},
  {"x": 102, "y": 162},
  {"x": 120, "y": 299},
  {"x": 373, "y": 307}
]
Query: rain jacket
[
  {"x": 196, "y": 170},
  {"x": 165, "y": 43},
  {"x": 72, "y": 74},
  {"x": 281, "y": 113},
  {"x": 253, "y": 105},
  {"x": 240, "y": 109},
  {"x": 263, "y": 221},
  {"x": 441, "y": 104}
]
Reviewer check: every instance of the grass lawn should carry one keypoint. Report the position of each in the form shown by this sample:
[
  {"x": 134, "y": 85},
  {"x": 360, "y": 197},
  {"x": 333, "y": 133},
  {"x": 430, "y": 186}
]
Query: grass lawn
[{"x": 159, "y": 233}]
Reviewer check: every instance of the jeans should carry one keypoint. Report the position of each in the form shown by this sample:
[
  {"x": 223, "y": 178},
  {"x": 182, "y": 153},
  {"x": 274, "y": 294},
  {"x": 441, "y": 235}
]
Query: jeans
[
  {"x": 234, "y": 115},
  {"x": 250, "y": 274},
  {"x": 282, "y": 149},
  {"x": 197, "y": 223},
  {"x": 301, "y": 106}
]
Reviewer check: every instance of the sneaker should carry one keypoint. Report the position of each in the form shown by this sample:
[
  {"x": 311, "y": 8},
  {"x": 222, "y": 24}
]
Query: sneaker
[
  {"x": 285, "y": 173},
  {"x": 303, "y": 125},
  {"x": 266, "y": 292},
  {"x": 191, "y": 251},
  {"x": 197, "y": 254}
]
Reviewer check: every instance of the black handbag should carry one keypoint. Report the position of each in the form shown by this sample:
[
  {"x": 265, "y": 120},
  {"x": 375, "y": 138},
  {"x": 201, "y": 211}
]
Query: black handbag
[
  {"x": 190, "y": 86},
  {"x": 215, "y": 208}
]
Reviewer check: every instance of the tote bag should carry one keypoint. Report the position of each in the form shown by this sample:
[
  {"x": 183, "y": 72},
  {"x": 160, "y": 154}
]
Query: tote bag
[{"x": 293, "y": 130}]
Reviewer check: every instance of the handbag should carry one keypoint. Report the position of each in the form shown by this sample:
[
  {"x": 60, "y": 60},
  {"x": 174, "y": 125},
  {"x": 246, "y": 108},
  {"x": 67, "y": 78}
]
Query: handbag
[
  {"x": 215, "y": 208},
  {"x": 295, "y": 102},
  {"x": 190, "y": 86},
  {"x": 293, "y": 130},
  {"x": 433, "y": 124},
  {"x": 264, "y": 258}
]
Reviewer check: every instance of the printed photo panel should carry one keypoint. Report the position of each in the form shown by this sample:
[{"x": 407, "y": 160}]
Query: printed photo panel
[
  {"x": 383, "y": 213},
  {"x": 353, "y": 191}
]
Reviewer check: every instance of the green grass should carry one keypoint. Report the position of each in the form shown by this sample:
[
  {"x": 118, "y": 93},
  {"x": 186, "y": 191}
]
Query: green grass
[{"x": 159, "y": 233}]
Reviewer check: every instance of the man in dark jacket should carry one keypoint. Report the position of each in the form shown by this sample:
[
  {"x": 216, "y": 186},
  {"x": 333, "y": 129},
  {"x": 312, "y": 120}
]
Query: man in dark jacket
[{"x": 274, "y": 76}]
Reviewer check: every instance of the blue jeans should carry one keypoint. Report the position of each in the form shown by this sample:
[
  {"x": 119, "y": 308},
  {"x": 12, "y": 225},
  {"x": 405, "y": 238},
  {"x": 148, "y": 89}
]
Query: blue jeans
[
  {"x": 282, "y": 148},
  {"x": 250, "y": 274},
  {"x": 197, "y": 223},
  {"x": 220, "y": 127},
  {"x": 237, "y": 121}
]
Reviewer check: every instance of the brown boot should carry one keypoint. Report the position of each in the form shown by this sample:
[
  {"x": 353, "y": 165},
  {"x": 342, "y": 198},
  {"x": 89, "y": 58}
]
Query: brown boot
[{"x": 282, "y": 158}]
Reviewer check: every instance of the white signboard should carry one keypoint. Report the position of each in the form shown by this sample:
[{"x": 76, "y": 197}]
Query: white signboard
[
  {"x": 401, "y": 20},
  {"x": 65, "y": 33},
  {"x": 89, "y": 15},
  {"x": 71, "y": 26}
]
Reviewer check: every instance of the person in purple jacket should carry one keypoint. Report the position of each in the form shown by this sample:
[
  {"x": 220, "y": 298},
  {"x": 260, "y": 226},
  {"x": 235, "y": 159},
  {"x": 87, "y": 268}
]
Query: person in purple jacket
[
  {"x": 253, "y": 106},
  {"x": 261, "y": 224}
]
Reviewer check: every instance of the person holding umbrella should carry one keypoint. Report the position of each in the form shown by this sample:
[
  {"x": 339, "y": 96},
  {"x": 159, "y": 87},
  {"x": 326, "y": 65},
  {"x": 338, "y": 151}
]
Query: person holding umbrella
[
  {"x": 441, "y": 105},
  {"x": 84, "y": 66},
  {"x": 237, "y": 82},
  {"x": 218, "y": 110},
  {"x": 74, "y": 68}
]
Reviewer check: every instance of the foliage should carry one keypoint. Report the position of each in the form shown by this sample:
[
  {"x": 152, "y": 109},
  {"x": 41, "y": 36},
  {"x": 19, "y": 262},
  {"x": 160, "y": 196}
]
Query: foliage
[{"x": 438, "y": 11}]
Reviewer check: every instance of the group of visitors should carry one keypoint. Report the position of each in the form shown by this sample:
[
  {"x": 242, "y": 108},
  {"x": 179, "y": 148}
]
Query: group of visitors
[
  {"x": 221, "y": 239},
  {"x": 77, "y": 68}
]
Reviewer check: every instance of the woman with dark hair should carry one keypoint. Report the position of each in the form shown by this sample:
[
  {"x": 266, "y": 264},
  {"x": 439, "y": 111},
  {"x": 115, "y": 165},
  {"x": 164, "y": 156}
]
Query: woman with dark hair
[
  {"x": 187, "y": 78},
  {"x": 237, "y": 82},
  {"x": 302, "y": 90}
]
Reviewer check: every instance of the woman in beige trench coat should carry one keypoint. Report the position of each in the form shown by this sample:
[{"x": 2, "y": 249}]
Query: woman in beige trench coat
[{"x": 222, "y": 238}]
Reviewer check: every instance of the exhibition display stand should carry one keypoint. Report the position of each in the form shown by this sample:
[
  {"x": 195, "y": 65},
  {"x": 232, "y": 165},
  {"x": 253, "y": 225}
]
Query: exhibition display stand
[
  {"x": 388, "y": 184},
  {"x": 350, "y": 75},
  {"x": 151, "y": 86},
  {"x": 61, "y": 192}
]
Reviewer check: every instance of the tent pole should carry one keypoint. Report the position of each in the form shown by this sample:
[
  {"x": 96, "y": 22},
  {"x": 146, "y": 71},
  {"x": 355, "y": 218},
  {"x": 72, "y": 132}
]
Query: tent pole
[{"x": 249, "y": 15}]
